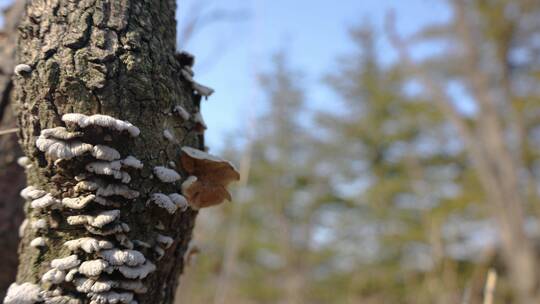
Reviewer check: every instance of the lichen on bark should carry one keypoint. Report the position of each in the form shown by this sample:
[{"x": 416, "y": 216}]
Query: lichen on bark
[{"x": 115, "y": 58}]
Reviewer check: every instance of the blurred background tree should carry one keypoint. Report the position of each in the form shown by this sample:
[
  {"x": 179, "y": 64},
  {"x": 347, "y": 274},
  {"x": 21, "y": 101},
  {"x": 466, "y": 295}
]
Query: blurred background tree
[{"x": 407, "y": 188}]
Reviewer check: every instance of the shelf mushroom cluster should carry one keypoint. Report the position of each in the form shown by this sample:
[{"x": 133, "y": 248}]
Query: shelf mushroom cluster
[
  {"x": 105, "y": 266},
  {"x": 187, "y": 61},
  {"x": 96, "y": 262}
]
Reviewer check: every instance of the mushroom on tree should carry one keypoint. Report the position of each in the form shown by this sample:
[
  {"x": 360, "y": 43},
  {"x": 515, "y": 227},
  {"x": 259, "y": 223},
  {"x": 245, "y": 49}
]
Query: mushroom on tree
[{"x": 208, "y": 178}]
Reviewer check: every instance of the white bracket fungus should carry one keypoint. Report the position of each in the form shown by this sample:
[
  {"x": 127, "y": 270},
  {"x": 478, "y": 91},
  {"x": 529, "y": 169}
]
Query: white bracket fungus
[
  {"x": 120, "y": 190},
  {"x": 124, "y": 241},
  {"x": 21, "y": 69},
  {"x": 88, "y": 244},
  {"x": 59, "y": 149},
  {"x": 77, "y": 202},
  {"x": 99, "y": 220},
  {"x": 84, "y": 285},
  {"x": 60, "y": 133},
  {"x": 31, "y": 193},
  {"x": 38, "y": 242},
  {"x": 169, "y": 136},
  {"x": 25, "y": 293},
  {"x": 167, "y": 241},
  {"x": 55, "y": 296},
  {"x": 197, "y": 87},
  {"x": 60, "y": 144},
  {"x": 166, "y": 175},
  {"x": 105, "y": 121},
  {"x": 92, "y": 268},
  {"x": 209, "y": 177},
  {"x": 101, "y": 286},
  {"x": 163, "y": 201},
  {"x": 202, "y": 89},
  {"x": 180, "y": 201},
  {"x": 131, "y": 161},
  {"x": 45, "y": 201},
  {"x": 112, "y": 297},
  {"x": 71, "y": 274},
  {"x": 104, "y": 168},
  {"x": 24, "y": 162},
  {"x": 66, "y": 263},
  {"x": 110, "y": 169},
  {"x": 86, "y": 185},
  {"x": 64, "y": 299},
  {"x": 138, "y": 272},
  {"x": 181, "y": 112},
  {"x": 87, "y": 285},
  {"x": 54, "y": 276},
  {"x": 118, "y": 257},
  {"x": 115, "y": 229},
  {"x": 105, "y": 153}
]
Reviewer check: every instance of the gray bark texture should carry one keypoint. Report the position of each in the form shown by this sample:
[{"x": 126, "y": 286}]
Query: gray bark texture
[
  {"x": 12, "y": 178},
  {"x": 115, "y": 58}
]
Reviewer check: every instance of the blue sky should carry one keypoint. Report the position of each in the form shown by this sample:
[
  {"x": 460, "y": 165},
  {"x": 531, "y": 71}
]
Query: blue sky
[{"x": 313, "y": 33}]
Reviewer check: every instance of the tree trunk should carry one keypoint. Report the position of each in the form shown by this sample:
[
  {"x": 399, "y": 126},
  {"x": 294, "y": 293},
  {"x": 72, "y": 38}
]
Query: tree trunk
[
  {"x": 11, "y": 175},
  {"x": 115, "y": 58}
]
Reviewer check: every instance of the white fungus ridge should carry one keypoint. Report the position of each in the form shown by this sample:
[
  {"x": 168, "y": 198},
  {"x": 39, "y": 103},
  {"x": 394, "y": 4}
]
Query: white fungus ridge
[
  {"x": 163, "y": 201},
  {"x": 31, "y": 193},
  {"x": 66, "y": 263},
  {"x": 105, "y": 121},
  {"x": 38, "y": 242},
  {"x": 166, "y": 175},
  {"x": 21, "y": 69},
  {"x": 98, "y": 220},
  {"x": 131, "y": 161},
  {"x": 59, "y": 149},
  {"x": 25, "y": 293},
  {"x": 181, "y": 112},
  {"x": 88, "y": 244}
]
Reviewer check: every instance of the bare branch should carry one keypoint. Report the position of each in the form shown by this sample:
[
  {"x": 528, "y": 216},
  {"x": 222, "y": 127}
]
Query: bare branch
[
  {"x": 198, "y": 19},
  {"x": 9, "y": 131}
]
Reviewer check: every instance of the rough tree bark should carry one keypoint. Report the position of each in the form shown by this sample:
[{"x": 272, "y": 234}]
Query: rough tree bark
[
  {"x": 11, "y": 175},
  {"x": 115, "y": 58}
]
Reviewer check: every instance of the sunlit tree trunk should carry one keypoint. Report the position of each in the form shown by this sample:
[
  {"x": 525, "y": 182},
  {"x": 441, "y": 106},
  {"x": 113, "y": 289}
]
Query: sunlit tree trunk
[{"x": 115, "y": 58}]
